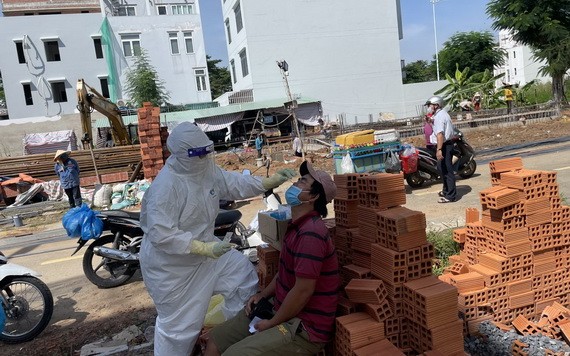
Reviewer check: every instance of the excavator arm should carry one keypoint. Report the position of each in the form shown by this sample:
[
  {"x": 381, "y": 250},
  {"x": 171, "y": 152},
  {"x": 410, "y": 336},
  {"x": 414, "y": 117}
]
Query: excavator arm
[{"x": 89, "y": 99}]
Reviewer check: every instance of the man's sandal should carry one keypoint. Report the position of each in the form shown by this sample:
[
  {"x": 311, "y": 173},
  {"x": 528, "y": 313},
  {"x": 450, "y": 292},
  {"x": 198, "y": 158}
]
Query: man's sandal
[
  {"x": 440, "y": 193},
  {"x": 444, "y": 200}
]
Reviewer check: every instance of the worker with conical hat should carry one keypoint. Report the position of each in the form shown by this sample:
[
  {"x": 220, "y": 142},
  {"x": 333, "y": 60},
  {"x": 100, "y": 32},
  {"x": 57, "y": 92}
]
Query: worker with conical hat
[{"x": 67, "y": 170}]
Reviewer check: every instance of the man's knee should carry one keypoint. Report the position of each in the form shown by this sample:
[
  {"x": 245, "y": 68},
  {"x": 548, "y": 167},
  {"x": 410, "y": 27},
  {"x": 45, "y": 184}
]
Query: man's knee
[{"x": 211, "y": 348}]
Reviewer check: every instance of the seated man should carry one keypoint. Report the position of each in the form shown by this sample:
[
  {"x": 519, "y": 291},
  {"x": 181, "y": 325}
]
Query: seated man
[{"x": 305, "y": 289}]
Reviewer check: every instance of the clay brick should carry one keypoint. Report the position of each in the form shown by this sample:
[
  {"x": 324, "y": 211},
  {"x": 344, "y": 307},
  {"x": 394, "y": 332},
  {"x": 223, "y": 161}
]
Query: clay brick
[
  {"x": 493, "y": 261},
  {"x": 491, "y": 277},
  {"x": 361, "y": 243},
  {"x": 521, "y": 300},
  {"x": 519, "y": 287},
  {"x": 468, "y": 282},
  {"x": 436, "y": 297},
  {"x": 400, "y": 220},
  {"x": 383, "y": 347},
  {"x": 348, "y": 180},
  {"x": 392, "y": 325},
  {"x": 473, "y": 325},
  {"x": 521, "y": 179},
  {"x": 358, "y": 330},
  {"x": 354, "y": 271},
  {"x": 459, "y": 235},
  {"x": 505, "y": 165},
  {"x": 387, "y": 200},
  {"x": 366, "y": 291},
  {"x": 457, "y": 268},
  {"x": 471, "y": 215},
  {"x": 410, "y": 288},
  {"x": 517, "y": 349},
  {"x": 473, "y": 299},
  {"x": 379, "y": 312},
  {"x": 502, "y": 198},
  {"x": 345, "y": 306},
  {"x": 361, "y": 259}
]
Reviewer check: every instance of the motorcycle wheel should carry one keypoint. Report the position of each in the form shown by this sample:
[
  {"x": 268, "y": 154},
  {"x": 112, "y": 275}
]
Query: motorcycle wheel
[
  {"x": 104, "y": 272},
  {"x": 468, "y": 170},
  {"x": 29, "y": 309},
  {"x": 415, "y": 180}
]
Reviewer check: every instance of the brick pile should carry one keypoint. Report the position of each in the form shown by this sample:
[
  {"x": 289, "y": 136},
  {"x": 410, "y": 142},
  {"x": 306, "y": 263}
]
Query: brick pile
[
  {"x": 267, "y": 265},
  {"x": 514, "y": 259},
  {"x": 152, "y": 140},
  {"x": 390, "y": 299}
]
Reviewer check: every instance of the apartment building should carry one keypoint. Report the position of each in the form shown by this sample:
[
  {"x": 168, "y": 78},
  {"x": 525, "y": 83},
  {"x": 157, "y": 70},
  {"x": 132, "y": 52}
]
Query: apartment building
[
  {"x": 520, "y": 66},
  {"x": 344, "y": 54},
  {"x": 49, "y": 44}
]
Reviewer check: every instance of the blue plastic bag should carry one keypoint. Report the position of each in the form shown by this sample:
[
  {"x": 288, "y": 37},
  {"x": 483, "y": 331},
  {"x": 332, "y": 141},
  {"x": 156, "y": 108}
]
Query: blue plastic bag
[{"x": 82, "y": 222}]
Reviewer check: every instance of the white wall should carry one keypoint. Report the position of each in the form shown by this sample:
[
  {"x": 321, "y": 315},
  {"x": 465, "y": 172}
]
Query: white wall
[
  {"x": 345, "y": 54},
  {"x": 77, "y": 61}
]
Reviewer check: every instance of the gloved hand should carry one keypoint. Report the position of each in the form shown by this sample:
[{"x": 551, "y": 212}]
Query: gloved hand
[
  {"x": 209, "y": 249},
  {"x": 278, "y": 178}
]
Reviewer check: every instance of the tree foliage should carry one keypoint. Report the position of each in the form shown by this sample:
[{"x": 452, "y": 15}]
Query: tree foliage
[
  {"x": 143, "y": 84},
  {"x": 220, "y": 78},
  {"x": 543, "y": 25},
  {"x": 462, "y": 86},
  {"x": 419, "y": 71},
  {"x": 476, "y": 50}
]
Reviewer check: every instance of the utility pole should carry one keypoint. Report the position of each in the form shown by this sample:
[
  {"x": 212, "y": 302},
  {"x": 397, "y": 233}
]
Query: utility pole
[
  {"x": 292, "y": 104},
  {"x": 433, "y": 2}
]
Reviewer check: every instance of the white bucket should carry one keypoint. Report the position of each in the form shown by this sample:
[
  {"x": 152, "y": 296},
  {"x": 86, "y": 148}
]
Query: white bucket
[{"x": 259, "y": 162}]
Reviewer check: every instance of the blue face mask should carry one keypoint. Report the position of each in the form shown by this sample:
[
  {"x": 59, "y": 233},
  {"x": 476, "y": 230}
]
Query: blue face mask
[{"x": 292, "y": 196}]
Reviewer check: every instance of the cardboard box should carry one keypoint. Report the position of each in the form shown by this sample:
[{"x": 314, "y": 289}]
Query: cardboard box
[{"x": 272, "y": 230}]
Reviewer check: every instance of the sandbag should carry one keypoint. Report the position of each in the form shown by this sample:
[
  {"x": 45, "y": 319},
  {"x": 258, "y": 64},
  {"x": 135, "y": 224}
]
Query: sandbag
[
  {"x": 102, "y": 196},
  {"x": 82, "y": 222}
]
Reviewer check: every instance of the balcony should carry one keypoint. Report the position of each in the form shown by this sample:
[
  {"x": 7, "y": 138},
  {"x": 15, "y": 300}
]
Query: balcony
[{"x": 23, "y": 7}]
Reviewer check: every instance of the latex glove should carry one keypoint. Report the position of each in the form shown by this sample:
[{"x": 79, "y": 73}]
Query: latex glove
[
  {"x": 278, "y": 178},
  {"x": 210, "y": 249}
]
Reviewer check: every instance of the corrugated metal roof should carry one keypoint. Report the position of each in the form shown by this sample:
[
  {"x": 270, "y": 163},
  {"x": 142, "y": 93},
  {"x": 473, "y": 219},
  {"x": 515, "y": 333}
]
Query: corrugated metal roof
[{"x": 191, "y": 115}]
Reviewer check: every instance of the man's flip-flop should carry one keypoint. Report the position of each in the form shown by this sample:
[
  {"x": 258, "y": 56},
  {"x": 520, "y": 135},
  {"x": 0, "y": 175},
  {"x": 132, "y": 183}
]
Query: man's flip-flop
[
  {"x": 440, "y": 193},
  {"x": 444, "y": 200}
]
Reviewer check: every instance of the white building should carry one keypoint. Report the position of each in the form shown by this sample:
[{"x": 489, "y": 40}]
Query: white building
[
  {"x": 44, "y": 56},
  {"x": 520, "y": 66},
  {"x": 344, "y": 54}
]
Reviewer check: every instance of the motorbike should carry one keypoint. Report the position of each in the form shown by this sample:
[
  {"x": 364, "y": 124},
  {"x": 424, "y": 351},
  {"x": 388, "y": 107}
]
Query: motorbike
[
  {"x": 463, "y": 162},
  {"x": 112, "y": 259},
  {"x": 26, "y": 302}
]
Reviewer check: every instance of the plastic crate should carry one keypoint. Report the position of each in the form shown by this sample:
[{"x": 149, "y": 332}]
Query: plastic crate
[{"x": 366, "y": 159}]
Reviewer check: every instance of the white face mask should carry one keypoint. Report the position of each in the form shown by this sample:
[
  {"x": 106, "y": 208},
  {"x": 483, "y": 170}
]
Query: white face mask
[{"x": 430, "y": 109}]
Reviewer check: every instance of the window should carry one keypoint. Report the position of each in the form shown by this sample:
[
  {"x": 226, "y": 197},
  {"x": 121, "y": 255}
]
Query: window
[
  {"x": 200, "y": 79},
  {"x": 233, "y": 67},
  {"x": 182, "y": 9},
  {"x": 237, "y": 13},
  {"x": 161, "y": 10},
  {"x": 228, "y": 31},
  {"x": 515, "y": 71},
  {"x": 243, "y": 60},
  {"x": 104, "y": 87},
  {"x": 98, "y": 48},
  {"x": 514, "y": 54},
  {"x": 52, "y": 51},
  {"x": 58, "y": 91},
  {"x": 20, "y": 51},
  {"x": 174, "y": 43},
  {"x": 28, "y": 93},
  {"x": 127, "y": 11},
  {"x": 188, "y": 42},
  {"x": 131, "y": 45}
]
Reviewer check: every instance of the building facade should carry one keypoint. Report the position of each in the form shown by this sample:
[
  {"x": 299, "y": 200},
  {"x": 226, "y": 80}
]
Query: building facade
[
  {"x": 49, "y": 45},
  {"x": 344, "y": 54},
  {"x": 520, "y": 66}
]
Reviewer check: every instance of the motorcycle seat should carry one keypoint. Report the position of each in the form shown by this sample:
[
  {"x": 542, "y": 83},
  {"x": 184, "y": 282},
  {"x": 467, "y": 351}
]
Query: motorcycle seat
[
  {"x": 227, "y": 217},
  {"x": 122, "y": 214}
]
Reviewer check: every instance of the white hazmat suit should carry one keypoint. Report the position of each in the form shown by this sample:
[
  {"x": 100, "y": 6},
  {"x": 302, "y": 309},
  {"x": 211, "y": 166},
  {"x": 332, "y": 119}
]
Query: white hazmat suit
[{"x": 181, "y": 206}]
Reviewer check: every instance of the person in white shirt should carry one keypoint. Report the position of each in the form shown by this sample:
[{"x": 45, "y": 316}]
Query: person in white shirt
[{"x": 444, "y": 131}]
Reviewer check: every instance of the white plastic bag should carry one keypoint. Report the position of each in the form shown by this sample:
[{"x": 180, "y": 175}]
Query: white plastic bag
[
  {"x": 346, "y": 166},
  {"x": 392, "y": 163}
]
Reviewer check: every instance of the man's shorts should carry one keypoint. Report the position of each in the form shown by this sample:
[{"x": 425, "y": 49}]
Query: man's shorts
[{"x": 233, "y": 338}]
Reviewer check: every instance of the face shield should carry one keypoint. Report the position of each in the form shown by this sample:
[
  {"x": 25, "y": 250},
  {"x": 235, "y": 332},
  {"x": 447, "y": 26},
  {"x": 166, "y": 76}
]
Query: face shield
[
  {"x": 205, "y": 152},
  {"x": 191, "y": 150}
]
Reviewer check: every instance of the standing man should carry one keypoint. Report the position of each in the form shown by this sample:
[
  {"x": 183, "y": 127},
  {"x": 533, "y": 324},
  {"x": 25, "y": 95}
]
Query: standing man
[
  {"x": 259, "y": 141},
  {"x": 305, "y": 289},
  {"x": 67, "y": 170},
  {"x": 444, "y": 131},
  {"x": 509, "y": 98},
  {"x": 183, "y": 264}
]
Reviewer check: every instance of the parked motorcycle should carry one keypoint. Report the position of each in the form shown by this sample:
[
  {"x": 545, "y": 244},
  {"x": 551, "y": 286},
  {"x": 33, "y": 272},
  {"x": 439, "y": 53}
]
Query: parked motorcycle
[
  {"x": 26, "y": 301},
  {"x": 112, "y": 259},
  {"x": 463, "y": 158}
]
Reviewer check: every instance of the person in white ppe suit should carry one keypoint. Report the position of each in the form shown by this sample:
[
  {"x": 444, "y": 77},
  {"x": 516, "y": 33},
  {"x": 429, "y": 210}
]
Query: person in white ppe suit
[{"x": 183, "y": 264}]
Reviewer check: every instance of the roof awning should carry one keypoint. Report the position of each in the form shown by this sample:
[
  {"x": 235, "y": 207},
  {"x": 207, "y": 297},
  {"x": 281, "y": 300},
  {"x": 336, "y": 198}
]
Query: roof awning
[{"x": 218, "y": 122}]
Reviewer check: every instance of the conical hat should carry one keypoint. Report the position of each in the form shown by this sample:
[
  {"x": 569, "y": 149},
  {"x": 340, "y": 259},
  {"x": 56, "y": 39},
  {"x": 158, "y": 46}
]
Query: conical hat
[{"x": 59, "y": 153}]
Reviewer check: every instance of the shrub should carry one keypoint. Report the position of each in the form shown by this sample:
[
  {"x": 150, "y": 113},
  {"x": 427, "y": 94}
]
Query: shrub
[{"x": 444, "y": 247}]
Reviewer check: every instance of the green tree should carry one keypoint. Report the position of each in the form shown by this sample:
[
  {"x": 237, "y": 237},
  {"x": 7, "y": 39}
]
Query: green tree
[
  {"x": 542, "y": 25},
  {"x": 143, "y": 84},
  {"x": 419, "y": 71},
  {"x": 220, "y": 78},
  {"x": 476, "y": 50}
]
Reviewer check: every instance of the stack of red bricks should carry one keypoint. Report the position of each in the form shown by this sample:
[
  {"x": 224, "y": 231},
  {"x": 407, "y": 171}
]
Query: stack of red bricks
[
  {"x": 152, "y": 140},
  {"x": 391, "y": 302},
  {"x": 267, "y": 265},
  {"x": 515, "y": 258}
]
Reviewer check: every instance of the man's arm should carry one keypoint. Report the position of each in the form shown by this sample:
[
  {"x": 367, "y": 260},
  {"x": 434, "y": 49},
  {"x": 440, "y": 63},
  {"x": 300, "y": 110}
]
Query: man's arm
[
  {"x": 294, "y": 302},
  {"x": 440, "y": 140}
]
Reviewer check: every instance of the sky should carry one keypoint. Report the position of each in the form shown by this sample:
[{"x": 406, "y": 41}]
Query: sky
[{"x": 452, "y": 16}]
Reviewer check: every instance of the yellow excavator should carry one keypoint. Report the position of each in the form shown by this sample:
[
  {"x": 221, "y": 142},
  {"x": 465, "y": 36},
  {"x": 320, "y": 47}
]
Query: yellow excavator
[{"x": 89, "y": 99}]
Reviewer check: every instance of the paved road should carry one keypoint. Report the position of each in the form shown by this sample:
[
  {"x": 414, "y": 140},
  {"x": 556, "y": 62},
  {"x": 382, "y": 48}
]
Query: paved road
[{"x": 77, "y": 301}]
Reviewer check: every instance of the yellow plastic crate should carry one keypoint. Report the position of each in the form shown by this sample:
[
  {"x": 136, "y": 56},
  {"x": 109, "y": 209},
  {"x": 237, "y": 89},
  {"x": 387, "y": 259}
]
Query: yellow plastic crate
[{"x": 355, "y": 138}]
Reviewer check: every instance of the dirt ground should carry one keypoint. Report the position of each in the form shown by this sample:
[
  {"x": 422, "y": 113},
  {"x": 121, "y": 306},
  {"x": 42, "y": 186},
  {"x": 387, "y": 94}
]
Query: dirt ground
[{"x": 66, "y": 337}]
